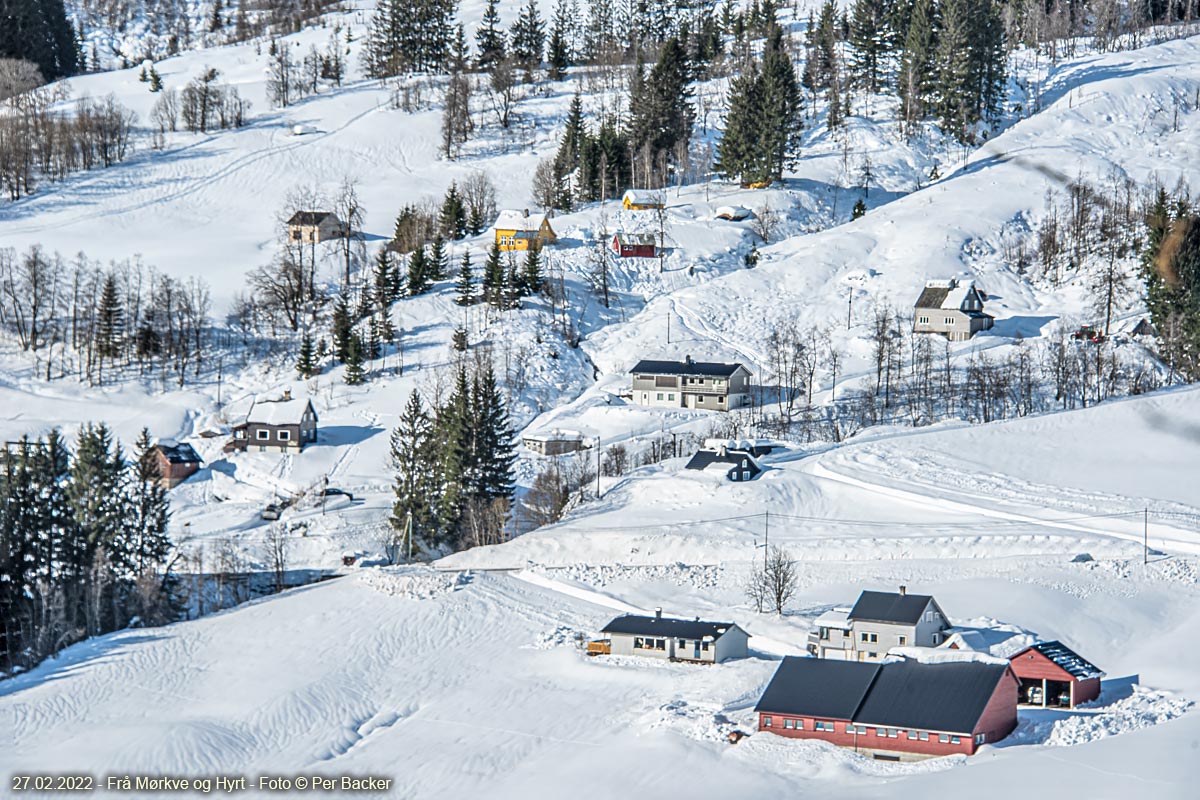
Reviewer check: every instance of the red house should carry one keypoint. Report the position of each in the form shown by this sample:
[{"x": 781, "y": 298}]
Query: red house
[
  {"x": 634, "y": 245},
  {"x": 176, "y": 462},
  {"x": 895, "y": 711},
  {"x": 1053, "y": 675}
]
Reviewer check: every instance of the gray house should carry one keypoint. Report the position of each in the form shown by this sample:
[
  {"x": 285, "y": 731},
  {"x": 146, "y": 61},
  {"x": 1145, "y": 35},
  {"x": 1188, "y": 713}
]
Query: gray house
[
  {"x": 952, "y": 309},
  {"x": 674, "y": 639},
  {"x": 691, "y": 384},
  {"x": 312, "y": 227},
  {"x": 878, "y": 622},
  {"x": 284, "y": 425}
]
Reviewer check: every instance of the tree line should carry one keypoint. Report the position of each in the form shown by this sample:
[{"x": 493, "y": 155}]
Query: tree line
[{"x": 83, "y": 542}]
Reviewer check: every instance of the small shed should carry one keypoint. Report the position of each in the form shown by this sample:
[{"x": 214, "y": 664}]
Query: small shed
[
  {"x": 642, "y": 200},
  {"x": 1053, "y": 675},
  {"x": 733, "y": 213},
  {"x": 176, "y": 462},
  {"x": 553, "y": 443},
  {"x": 313, "y": 227},
  {"x": 634, "y": 245}
]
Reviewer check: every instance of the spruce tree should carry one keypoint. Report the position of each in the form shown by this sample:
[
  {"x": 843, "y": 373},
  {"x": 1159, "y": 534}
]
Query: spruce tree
[
  {"x": 559, "y": 55},
  {"x": 146, "y": 543},
  {"x": 531, "y": 276},
  {"x": 489, "y": 38},
  {"x": 96, "y": 498},
  {"x": 466, "y": 290},
  {"x": 452, "y": 220},
  {"x": 156, "y": 84},
  {"x": 661, "y": 112},
  {"x": 306, "y": 362},
  {"x": 859, "y": 209},
  {"x": 459, "y": 340},
  {"x": 383, "y": 280},
  {"x": 436, "y": 262},
  {"x": 493, "y": 277},
  {"x": 495, "y": 454},
  {"x": 414, "y": 457},
  {"x": 355, "y": 373},
  {"x": 343, "y": 329},
  {"x": 528, "y": 38},
  {"x": 869, "y": 38},
  {"x": 418, "y": 273},
  {"x": 455, "y": 436},
  {"x": 914, "y": 79}
]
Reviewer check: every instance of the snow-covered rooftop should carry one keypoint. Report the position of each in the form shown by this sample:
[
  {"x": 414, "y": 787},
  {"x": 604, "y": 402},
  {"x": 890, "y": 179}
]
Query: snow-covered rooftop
[
  {"x": 835, "y": 618},
  {"x": 942, "y": 655},
  {"x": 513, "y": 220},
  {"x": 278, "y": 411}
]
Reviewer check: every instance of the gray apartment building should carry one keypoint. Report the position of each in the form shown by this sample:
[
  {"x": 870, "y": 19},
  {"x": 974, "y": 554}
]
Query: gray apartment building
[
  {"x": 691, "y": 384},
  {"x": 878, "y": 622}
]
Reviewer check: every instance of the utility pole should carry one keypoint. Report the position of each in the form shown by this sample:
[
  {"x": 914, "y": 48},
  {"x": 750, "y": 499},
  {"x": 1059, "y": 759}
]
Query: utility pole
[
  {"x": 668, "y": 326},
  {"x": 1145, "y": 536},
  {"x": 408, "y": 533},
  {"x": 766, "y": 536},
  {"x": 849, "y": 306},
  {"x": 598, "y": 468}
]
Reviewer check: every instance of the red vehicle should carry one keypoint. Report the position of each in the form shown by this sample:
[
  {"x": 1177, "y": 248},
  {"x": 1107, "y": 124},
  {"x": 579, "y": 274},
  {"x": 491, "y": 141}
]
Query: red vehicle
[{"x": 1088, "y": 333}]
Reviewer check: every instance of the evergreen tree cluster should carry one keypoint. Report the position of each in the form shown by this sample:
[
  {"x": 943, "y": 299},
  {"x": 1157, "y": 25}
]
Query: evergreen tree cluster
[
  {"x": 38, "y": 31},
  {"x": 763, "y": 126},
  {"x": 83, "y": 542},
  {"x": 940, "y": 57},
  {"x": 1171, "y": 271},
  {"x": 454, "y": 478},
  {"x": 410, "y": 36}
]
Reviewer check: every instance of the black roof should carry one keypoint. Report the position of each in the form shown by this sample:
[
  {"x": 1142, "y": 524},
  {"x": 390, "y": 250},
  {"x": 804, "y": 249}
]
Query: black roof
[
  {"x": 818, "y": 687},
  {"x": 667, "y": 627},
  {"x": 890, "y": 607},
  {"x": 179, "y": 453},
  {"x": 932, "y": 297},
  {"x": 707, "y": 368},
  {"x": 703, "y": 458},
  {"x": 309, "y": 217},
  {"x": 949, "y": 697},
  {"x": 1071, "y": 662},
  {"x": 946, "y": 697}
]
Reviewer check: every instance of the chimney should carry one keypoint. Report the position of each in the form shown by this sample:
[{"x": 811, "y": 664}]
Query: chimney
[
  {"x": 658, "y": 613},
  {"x": 287, "y": 394},
  {"x": 903, "y": 591},
  {"x": 687, "y": 359},
  {"x": 527, "y": 212}
]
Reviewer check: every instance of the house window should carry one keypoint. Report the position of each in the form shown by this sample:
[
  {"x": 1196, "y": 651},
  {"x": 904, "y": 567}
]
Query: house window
[
  {"x": 284, "y": 435},
  {"x": 870, "y": 637},
  {"x": 949, "y": 320},
  {"x": 923, "y": 320},
  {"x": 944, "y": 738},
  {"x": 892, "y": 733},
  {"x": 823, "y": 726},
  {"x": 262, "y": 434},
  {"x": 880, "y": 732},
  {"x": 849, "y": 728},
  {"x": 825, "y": 634},
  {"x": 704, "y": 646},
  {"x": 980, "y": 738},
  {"x": 682, "y": 644},
  {"x": 872, "y": 655},
  {"x": 240, "y": 433},
  {"x": 924, "y": 736},
  {"x": 902, "y": 639},
  {"x": 912, "y": 734},
  {"x": 670, "y": 397},
  {"x": 721, "y": 400},
  {"x": 660, "y": 395},
  {"x": 861, "y": 730},
  {"x": 700, "y": 399},
  {"x": 955, "y": 740},
  {"x": 746, "y": 476},
  {"x": 788, "y": 724},
  {"x": 767, "y": 722}
]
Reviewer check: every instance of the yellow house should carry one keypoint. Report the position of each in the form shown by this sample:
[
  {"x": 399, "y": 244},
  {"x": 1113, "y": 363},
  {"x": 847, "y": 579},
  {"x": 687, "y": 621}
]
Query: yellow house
[
  {"x": 641, "y": 200},
  {"x": 515, "y": 230}
]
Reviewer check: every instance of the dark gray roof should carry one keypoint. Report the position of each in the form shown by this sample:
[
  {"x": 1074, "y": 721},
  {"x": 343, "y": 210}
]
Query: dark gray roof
[
  {"x": 703, "y": 458},
  {"x": 179, "y": 453},
  {"x": 708, "y": 368},
  {"x": 946, "y": 697},
  {"x": 309, "y": 217},
  {"x": 1071, "y": 662},
  {"x": 818, "y": 687},
  {"x": 666, "y": 627},
  {"x": 932, "y": 296},
  {"x": 890, "y": 607}
]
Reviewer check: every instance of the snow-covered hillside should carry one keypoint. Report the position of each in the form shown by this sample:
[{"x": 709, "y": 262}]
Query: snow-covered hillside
[{"x": 464, "y": 676}]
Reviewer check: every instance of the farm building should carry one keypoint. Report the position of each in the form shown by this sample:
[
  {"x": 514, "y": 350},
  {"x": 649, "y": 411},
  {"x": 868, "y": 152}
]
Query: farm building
[
  {"x": 284, "y": 424},
  {"x": 519, "y": 230},
  {"x": 952, "y": 309},
  {"x": 672, "y": 639},
  {"x": 1053, "y": 675},
  {"x": 734, "y": 463},
  {"x": 691, "y": 384},
  {"x": 553, "y": 443},
  {"x": 634, "y": 245},
  {"x": 878, "y": 622},
  {"x": 176, "y": 462},
  {"x": 642, "y": 200},
  {"x": 733, "y": 213},
  {"x": 314, "y": 227},
  {"x": 896, "y": 711}
]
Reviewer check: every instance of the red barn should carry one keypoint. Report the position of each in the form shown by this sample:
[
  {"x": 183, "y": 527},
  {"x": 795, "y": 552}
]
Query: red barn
[
  {"x": 634, "y": 245},
  {"x": 1053, "y": 675},
  {"x": 896, "y": 711}
]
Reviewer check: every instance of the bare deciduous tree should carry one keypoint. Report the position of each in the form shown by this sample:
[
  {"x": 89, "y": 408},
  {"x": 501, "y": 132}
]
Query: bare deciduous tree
[{"x": 773, "y": 583}]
